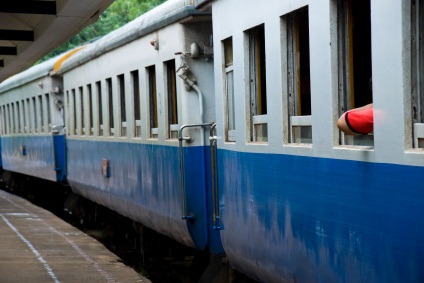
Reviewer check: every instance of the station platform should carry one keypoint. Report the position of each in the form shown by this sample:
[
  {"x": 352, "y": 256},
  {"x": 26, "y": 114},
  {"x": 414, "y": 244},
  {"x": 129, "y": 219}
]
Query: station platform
[{"x": 37, "y": 246}]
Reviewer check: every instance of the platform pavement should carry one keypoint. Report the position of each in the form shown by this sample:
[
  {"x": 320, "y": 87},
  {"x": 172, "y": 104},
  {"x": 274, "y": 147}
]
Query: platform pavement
[{"x": 37, "y": 246}]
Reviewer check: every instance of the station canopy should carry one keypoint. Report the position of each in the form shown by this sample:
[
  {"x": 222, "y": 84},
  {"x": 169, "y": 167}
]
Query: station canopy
[{"x": 30, "y": 29}]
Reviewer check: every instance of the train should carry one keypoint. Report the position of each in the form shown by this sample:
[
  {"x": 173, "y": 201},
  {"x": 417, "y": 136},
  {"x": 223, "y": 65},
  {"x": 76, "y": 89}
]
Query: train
[{"x": 215, "y": 123}]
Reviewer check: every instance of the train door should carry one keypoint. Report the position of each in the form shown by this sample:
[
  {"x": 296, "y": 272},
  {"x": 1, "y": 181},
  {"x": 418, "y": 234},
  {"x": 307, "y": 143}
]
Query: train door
[{"x": 55, "y": 124}]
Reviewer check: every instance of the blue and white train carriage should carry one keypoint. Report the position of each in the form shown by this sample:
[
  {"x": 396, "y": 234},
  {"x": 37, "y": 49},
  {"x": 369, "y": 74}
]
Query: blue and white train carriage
[
  {"x": 125, "y": 107},
  {"x": 299, "y": 201},
  {"x": 32, "y": 123}
]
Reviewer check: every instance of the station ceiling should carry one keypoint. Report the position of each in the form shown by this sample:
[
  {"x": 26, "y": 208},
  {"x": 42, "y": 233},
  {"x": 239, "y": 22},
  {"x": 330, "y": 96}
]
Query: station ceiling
[{"x": 30, "y": 29}]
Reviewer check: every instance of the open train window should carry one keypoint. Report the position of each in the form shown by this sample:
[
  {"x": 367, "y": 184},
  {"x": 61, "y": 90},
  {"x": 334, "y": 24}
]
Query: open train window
[
  {"x": 354, "y": 57},
  {"x": 40, "y": 112},
  {"x": 30, "y": 116},
  {"x": 48, "y": 112},
  {"x": 298, "y": 77},
  {"x": 109, "y": 90},
  {"x": 100, "y": 108},
  {"x": 68, "y": 112},
  {"x": 123, "y": 110},
  {"x": 74, "y": 113},
  {"x": 230, "y": 128},
  {"x": 153, "y": 117},
  {"x": 417, "y": 76},
  {"x": 12, "y": 118},
  {"x": 257, "y": 84},
  {"x": 81, "y": 124},
  {"x": 36, "y": 112},
  {"x": 18, "y": 116},
  {"x": 2, "y": 120},
  {"x": 90, "y": 110},
  {"x": 24, "y": 129},
  {"x": 8, "y": 120},
  {"x": 171, "y": 89},
  {"x": 136, "y": 102}
]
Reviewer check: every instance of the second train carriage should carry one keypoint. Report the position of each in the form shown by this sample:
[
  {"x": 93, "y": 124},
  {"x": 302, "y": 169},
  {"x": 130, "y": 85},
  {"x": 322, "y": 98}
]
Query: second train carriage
[{"x": 127, "y": 96}]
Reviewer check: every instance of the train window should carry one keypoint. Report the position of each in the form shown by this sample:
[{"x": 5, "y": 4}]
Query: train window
[
  {"x": 136, "y": 102},
  {"x": 81, "y": 124},
  {"x": 121, "y": 88},
  {"x": 99, "y": 107},
  {"x": 68, "y": 119},
  {"x": 110, "y": 106},
  {"x": 90, "y": 110},
  {"x": 171, "y": 88},
  {"x": 23, "y": 116},
  {"x": 8, "y": 119},
  {"x": 40, "y": 112},
  {"x": 151, "y": 77},
  {"x": 34, "y": 106},
  {"x": 49, "y": 115},
  {"x": 257, "y": 84},
  {"x": 13, "y": 118},
  {"x": 30, "y": 116},
  {"x": 417, "y": 73},
  {"x": 4, "y": 124},
  {"x": 2, "y": 120},
  {"x": 355, "y": 70},
  {"x": 298, "y": 80},
  {"x": 74, "y": 113},
  {"x": 230, "y": 125},
  {"x": 18, "y": 118}
]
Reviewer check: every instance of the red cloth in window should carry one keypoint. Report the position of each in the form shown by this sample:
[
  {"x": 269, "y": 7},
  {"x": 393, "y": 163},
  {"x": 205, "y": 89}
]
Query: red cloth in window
[{"x": 360, "y": 121}]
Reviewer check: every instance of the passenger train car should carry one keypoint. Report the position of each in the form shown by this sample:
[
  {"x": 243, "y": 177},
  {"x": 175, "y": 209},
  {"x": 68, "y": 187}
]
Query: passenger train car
[
  {"x": 215, "y": 123},
  {"x": 32, "y": 123},
  {"x": 300, "y": 201},
  {"x": 125, "y": 105}
]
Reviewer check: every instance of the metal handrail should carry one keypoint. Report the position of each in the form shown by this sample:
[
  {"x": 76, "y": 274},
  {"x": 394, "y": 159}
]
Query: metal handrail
[
  {"x": 185, "y": 214},
  {"x": 215, "y": 192}
]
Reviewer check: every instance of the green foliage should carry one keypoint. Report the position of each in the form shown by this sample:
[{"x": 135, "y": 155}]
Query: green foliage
[{"x": 117, "y": 15}]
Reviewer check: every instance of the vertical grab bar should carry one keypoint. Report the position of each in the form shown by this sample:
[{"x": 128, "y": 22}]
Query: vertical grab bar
[
  {"x": 215, "y": 196},
  {"x": 185, "y": 214}
]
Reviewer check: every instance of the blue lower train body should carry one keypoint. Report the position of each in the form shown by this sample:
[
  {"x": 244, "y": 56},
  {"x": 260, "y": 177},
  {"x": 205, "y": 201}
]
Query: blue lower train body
[
  {"x": 302, "y": 219},
  {"x": 41, "y": 156},
  {"x": 142, "y": 182}
]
